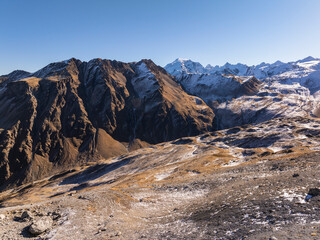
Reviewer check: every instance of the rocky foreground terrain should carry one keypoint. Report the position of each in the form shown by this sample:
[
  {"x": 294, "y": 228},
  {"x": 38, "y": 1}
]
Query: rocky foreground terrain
[{"x": 249, "y": 182}]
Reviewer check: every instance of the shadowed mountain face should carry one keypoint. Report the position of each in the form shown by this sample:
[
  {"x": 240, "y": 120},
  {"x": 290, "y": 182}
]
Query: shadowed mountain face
[{"x": 71, "y": 111}]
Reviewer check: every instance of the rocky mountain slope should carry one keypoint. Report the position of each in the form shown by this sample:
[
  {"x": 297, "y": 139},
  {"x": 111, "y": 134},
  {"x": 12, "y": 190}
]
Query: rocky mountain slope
[
  {"x": 70, "y": 112},
  {"x": 251, "y": 182},
  {"x": 271, "y": 90}
]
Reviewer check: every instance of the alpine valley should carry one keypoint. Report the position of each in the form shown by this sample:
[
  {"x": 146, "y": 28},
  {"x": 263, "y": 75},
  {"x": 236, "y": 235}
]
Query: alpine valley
[{"x": 112, "y": 150}]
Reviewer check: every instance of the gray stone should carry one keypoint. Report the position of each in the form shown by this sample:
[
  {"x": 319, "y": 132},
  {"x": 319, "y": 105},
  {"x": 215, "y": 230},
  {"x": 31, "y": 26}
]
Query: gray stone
[
  {"x": 40, "y": 226},
  {"x": 26, "y": 215}
]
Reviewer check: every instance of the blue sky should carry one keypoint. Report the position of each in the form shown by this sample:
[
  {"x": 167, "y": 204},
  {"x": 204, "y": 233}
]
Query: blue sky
[{"x": 37, "y": 32}]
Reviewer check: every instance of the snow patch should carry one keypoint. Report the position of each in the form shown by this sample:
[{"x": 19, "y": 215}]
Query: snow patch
[
  {"x": 291, "y": 195},
  {"x": 145, "y": 83}
]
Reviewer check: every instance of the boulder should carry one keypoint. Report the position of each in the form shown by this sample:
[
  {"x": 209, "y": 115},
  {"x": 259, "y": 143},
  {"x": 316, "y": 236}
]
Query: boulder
[{"x": 41, "y": 225}]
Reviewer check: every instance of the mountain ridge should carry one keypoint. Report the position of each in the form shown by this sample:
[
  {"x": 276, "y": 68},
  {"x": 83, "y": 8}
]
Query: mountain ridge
[
  {"x": 180, "y": 65},
  {"x": 285, "y": 89},
  {"x": 68, "y": 112}
]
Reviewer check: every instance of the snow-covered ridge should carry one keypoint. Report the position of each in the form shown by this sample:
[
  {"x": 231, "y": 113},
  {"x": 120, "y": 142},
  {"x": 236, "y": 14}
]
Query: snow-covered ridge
[
  {"x": 286, "y": 89},
  {"x": 263, "y": 70},
  {"x": 145, "y": 82},
  {"x": 191, "y": 75},
  {"x": 180, "y": 66}
]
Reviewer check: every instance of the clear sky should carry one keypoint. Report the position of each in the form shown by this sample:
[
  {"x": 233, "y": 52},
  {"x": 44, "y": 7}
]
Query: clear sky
[{"x": 34, "y": 33}]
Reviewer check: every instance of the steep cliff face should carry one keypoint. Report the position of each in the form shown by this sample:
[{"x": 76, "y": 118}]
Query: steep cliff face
[{"x": 72, "y": 111}]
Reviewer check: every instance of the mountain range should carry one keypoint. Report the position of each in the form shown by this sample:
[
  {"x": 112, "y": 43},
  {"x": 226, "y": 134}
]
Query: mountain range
[
  {"x": 112, "y": 150},
  {"x": 72, "y": 111},
  {"x": 241, "y": 94}
]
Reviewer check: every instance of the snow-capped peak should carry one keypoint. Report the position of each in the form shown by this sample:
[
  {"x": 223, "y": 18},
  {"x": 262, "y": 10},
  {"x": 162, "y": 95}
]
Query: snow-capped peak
[
  {"x": 263, "y": 70},
  {"x": 184, "y": 66},
  {"x": 307, "y": 59},
  {"x": 181, "y": 60}
]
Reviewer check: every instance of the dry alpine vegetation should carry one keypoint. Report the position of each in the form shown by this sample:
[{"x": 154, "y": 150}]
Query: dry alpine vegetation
[{"x": 249, "y": 182}]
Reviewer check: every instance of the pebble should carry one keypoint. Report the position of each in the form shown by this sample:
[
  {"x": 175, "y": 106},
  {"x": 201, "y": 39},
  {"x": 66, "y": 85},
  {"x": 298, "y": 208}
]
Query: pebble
[{"x": 26, "y": 215}]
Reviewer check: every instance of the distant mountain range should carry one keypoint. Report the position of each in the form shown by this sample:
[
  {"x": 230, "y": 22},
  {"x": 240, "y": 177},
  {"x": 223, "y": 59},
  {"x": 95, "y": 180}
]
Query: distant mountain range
[
  {"x": 241, "y": 94},
  {"x": 263, "y": 70}
]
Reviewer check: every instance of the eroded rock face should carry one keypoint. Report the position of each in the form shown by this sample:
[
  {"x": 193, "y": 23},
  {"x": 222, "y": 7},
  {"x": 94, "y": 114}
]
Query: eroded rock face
[{"x": 73, "y": 111}]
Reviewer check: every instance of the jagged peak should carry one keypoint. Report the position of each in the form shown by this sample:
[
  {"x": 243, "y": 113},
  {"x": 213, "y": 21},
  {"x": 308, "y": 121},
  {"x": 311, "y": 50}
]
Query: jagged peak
[
  {"x": 307, "y": 59},
  {"x": 277, "y": 63},
  {"x": 147, "y": 61},
  {"x": 184, "y": 66},
  {"x": 15, "y": 73},
  {"x": 152, "y": 66},
  {"x": 56, "y": 67},
  {"x": 182, "y": 60},
  {"x": 13, "y": 76}
]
